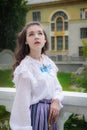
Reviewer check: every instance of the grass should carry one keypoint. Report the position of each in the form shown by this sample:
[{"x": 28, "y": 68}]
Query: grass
[
  {"x": 65, "y": 80},
  {"x": 5, "y": 78}
]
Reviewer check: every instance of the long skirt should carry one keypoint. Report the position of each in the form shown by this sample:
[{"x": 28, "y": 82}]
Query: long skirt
[{"x": 40, "y": 114}]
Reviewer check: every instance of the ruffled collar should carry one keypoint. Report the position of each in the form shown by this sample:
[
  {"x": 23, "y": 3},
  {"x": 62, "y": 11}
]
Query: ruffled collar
[{"x": 32, "y": 60}]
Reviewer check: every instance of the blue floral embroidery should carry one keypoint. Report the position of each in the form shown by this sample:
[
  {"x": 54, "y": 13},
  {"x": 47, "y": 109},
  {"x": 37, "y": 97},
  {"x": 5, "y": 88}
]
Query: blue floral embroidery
[{"x": 46, "y": 68}]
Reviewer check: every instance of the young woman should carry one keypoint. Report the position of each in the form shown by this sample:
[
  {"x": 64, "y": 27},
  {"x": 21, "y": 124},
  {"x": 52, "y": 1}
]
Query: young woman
[{"x": 38, "y": 92}]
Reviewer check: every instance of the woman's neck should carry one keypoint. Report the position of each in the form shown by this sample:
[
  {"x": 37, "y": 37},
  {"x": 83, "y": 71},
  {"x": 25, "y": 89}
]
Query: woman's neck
[{"x": 36, "y": 56}]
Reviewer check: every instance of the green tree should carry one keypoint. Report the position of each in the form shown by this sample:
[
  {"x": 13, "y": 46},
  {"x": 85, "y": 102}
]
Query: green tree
[{"x": 12, "y": 19}]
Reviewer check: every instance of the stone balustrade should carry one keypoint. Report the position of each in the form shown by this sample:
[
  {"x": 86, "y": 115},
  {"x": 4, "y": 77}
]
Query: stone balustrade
[{"x": 74, "y": 102}]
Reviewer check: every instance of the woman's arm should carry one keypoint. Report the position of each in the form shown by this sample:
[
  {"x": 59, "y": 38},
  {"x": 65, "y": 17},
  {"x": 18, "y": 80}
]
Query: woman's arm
[
  {"x": 56, "y": 104},
  {"x": 58, "y": 91},
  {"x": 20, "y": 115}
]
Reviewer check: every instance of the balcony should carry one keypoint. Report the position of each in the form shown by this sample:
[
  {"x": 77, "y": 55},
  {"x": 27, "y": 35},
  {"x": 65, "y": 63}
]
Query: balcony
[
  {"x": 66, "y": 58},
  {"x": 74, "y": 102},
  {"x": 67, "y": 63}
]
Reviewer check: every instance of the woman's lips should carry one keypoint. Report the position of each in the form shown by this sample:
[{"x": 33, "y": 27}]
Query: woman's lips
[{"x": 37, "y": 42}]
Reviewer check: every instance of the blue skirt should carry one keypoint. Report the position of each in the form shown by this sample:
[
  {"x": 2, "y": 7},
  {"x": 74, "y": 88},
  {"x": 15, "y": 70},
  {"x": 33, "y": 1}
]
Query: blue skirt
[{"x": 40, "y": 114}]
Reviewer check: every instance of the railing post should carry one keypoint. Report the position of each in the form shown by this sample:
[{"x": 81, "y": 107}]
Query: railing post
[
  {"x": 61, "y": 121},
  {"x": 85, "y": 116},
  {"x": 63, "y": 116}
]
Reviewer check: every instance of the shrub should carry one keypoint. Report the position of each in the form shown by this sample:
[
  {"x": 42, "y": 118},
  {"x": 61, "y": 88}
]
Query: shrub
[
  {"x": 80, "y": 80},
  {"x": 75, "y": 122}
]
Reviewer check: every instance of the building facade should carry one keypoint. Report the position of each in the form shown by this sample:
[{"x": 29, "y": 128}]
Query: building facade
[{"x": 65, "y": 22}]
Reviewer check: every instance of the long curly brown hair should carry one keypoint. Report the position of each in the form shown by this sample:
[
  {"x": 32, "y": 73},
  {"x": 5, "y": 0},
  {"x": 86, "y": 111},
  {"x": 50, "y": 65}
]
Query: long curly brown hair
[{"x": 23, "y": 49}]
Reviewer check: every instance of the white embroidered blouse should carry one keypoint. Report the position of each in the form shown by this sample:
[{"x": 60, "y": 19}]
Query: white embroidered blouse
[{"x": 34, "y": 81}]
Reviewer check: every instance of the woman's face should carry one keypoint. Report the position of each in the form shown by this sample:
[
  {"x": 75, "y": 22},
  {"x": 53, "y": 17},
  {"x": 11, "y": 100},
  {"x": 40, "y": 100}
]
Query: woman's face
[{"x": 35, "y": 37}]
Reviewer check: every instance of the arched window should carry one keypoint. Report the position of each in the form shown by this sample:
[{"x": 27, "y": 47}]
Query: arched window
[
  {"x": 59, "y": 24},
  {"x": 59, "y": 28},
  {"x": 59, "y": 13}
]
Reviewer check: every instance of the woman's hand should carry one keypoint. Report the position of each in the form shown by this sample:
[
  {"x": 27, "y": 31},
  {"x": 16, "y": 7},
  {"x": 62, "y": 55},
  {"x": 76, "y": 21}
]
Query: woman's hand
[{"x": 54, "y": 110}]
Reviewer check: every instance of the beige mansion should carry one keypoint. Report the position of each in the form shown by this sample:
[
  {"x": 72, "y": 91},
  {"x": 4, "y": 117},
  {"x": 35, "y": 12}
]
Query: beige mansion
[{"x": 65, "y": 22}]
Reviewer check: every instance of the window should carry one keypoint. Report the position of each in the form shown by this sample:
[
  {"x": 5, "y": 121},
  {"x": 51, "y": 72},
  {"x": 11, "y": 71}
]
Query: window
[
  {"x": 66, "y": 42},
  {"x": 80, "y": 51},
  {"x": 83, "y": 13},
  {"x": 66, "y": 25},
  {"x": 59, "y": 42},
  {"x": 59, "y": 24},
  {"x": 59, "y": 13},
  {"x": 59, "y": 57},
  {"x": 62, "y": 20},
  {"x": 52, "y": 26},
  {"x": 83, "y": 32},
  {"x": 52, "y": 43},
  {"x": 36, "y": 16},
  {"x": 59, "y": 29}
]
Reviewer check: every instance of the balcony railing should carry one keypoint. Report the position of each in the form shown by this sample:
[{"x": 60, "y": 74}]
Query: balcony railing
[
  {"x": 74, "y": 102},
  {"x": 66, "y": 58}
]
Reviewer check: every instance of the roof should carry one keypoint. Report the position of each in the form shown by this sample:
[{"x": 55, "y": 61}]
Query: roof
[
  {"x": 36, "y": 2},
  {"x": 30, "y": 2}
]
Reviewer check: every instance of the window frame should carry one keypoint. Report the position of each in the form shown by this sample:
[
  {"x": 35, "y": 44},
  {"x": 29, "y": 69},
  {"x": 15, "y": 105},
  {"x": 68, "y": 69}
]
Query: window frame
[
  {"x": 36, "y": 16},
  {"x": 59, "y": 31},
  {"x": 83, "y": 13},
  {"x": 83, "y": 32}
]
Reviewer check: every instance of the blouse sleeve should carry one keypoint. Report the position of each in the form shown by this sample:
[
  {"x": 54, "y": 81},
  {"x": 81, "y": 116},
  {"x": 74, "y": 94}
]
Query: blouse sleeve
[
  {"x": 20, "y": 114},
  {"x": 58, "y": 92},
  {"x": 58, "y": 88}
]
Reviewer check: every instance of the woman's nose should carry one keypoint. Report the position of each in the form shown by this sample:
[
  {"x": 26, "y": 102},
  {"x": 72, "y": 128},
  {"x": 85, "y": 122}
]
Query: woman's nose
[{"x": 36, "y": 35}]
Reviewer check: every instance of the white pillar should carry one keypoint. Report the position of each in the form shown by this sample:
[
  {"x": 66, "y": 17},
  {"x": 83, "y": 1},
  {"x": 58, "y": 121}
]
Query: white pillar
[
  {"x": 85, "y": 116},
  {"x": 63, "y": 116}
]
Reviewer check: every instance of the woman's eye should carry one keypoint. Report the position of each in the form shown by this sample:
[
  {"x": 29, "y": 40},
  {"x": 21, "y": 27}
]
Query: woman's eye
[
  {"x": 31, "y": 34},
  {"x": 40, "y": 33}
]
